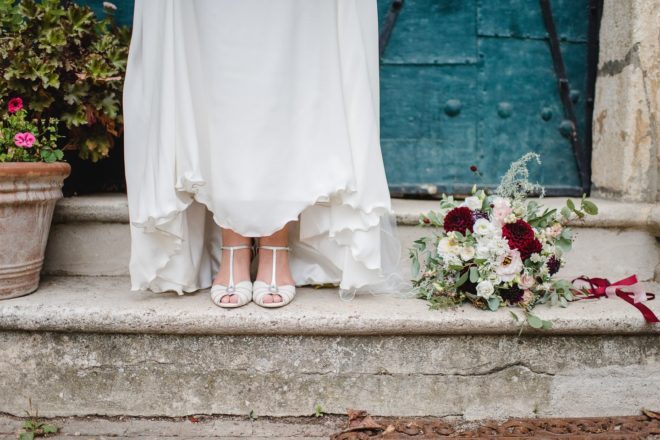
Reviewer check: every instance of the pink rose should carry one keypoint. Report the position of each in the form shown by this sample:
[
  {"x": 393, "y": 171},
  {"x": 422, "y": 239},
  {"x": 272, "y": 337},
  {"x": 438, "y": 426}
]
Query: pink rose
[
  {"x": 501, "y": 210},
  {"x": 526, "y": 282},
  {"x": 25, "y": 140},
  {"x": 554, "y": 231},
  {"x": 15, "y": 104}
]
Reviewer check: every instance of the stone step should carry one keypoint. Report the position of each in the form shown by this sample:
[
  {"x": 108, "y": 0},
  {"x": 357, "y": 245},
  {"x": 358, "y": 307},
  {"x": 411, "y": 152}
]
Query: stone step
[
  {"x": 90, "y": 236},
  {"x": 88, "y": 346}
]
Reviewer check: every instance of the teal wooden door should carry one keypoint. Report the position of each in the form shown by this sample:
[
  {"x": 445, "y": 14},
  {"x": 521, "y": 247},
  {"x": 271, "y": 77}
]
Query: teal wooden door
[{"x": 471, "y": 83}]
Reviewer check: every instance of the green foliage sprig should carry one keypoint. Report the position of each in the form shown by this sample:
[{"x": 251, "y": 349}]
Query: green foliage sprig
[{"x": 66, "y": 64}]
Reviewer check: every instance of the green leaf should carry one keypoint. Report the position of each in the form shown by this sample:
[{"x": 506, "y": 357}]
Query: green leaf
[
  {"x": 534, "y": 321},
  {"x": 474, "y": 274},
  {"x": 564, "y": 244},
  {"x": 515, "y": 317},
  {"x": 570, "y": 204},
  {"x": 589, "y": 207},
  {"x": 547, "y": 325},
  {"x": 462, "y": 280},
  {"x": 415, "y": 267},
  {"x": 49, "y": 429},
  {"x": 493, "y": 303}
]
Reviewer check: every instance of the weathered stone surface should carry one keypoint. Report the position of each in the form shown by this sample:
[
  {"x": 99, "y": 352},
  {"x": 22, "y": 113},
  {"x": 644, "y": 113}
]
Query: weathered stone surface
[
  {"x": 95, "y": 239},
  {"x": 625, "y": 132},
  {"x": 89, "y": 248},
  {"x": 215, "y": 427},
  {"x": 88, "y": 346},
  {"x": 470, "y": 376},
  {"x": 105, "y": 304}
]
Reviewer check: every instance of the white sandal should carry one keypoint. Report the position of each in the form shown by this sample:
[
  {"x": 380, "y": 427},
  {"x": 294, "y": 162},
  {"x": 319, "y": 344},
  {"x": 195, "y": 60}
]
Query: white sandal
[
  {"x": 261, "y": 289},
  {"x": 243, "y": 289}
]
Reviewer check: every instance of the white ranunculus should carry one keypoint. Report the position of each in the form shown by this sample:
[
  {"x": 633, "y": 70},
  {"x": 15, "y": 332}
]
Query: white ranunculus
[
  {"x": 472, "y": 202},
  {"x": 485, "y": 289},
  {"x": 483, "y": 251},
  {"x": 448, "y": 246},
  {"x": 467, "y": 253}
]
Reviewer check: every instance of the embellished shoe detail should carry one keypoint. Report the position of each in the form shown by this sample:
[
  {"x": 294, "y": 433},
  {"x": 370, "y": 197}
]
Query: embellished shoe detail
[
  {"x": 242, "y": 289},
  {"x": 261, "y": 289}
]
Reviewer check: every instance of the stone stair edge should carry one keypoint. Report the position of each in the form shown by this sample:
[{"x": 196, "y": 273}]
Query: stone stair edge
[
  {"x": 113, "y": 208},
  {"x": 82, "y": 304}
]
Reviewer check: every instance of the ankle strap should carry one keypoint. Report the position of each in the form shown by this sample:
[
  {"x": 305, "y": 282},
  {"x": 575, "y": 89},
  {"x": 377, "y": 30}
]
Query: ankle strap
[
  {"x": 275, "y": 248},
  {"x": 240, "y": 246}
]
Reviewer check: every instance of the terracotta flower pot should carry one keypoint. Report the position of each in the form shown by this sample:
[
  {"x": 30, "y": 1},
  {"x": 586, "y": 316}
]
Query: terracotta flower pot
[{"x": 28, "y": 193}]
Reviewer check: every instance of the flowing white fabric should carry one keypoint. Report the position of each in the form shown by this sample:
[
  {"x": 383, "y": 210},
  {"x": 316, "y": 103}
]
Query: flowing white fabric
[{"x": 247, "y": 115}]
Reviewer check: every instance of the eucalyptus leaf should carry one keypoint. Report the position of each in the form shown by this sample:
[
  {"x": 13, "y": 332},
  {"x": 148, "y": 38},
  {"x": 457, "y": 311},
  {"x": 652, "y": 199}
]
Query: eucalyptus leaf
[
  {"x": 589, "y": 207},
  {"x": 474, "y": 274},
  {"x": 494, "y": 303},
  {"x": 534, "y": 321},
  {"x": 461, "y": 280}
]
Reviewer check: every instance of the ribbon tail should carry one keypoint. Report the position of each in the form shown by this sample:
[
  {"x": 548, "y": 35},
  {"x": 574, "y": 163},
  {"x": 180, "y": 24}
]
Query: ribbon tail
[{"x": 648, "y": 314}]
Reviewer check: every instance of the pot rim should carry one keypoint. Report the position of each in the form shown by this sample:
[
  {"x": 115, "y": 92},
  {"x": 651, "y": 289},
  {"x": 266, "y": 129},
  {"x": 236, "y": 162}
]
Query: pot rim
[{"x": 34, "y": 169}]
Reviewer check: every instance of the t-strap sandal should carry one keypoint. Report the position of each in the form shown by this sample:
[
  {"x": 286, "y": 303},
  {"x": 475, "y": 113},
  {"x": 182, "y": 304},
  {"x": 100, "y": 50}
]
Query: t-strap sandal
[
  {"x": 243, "y": 289},
  {"x": 261, "y": 289}
]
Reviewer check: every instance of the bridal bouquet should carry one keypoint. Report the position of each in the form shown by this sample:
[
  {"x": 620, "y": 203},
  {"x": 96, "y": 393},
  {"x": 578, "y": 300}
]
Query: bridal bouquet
[{"x": 497, "y": 250}]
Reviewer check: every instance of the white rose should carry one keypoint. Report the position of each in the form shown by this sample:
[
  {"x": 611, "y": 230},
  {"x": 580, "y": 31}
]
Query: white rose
[
  {"x": 448, "y": 246},
  {"x": 467, "y": 253},
  {"x": 472, "y": 202},
  {"x": 483, "y": 227},
  {"x": 485, "y": 289}
]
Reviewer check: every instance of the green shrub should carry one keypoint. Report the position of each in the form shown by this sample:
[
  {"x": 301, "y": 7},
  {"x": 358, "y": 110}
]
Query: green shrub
[{"x": 67, "y": 64}]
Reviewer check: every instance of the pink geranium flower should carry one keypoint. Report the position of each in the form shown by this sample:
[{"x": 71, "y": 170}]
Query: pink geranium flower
[
  {"x": 15, "y": 104},
  {"x": 25, "y": 140}
]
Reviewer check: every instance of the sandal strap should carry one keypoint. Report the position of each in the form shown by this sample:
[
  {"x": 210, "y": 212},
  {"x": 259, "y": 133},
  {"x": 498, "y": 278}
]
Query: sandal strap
[
  {"x": 231, "y": 286},
  {"x": 273, "y": 283}
]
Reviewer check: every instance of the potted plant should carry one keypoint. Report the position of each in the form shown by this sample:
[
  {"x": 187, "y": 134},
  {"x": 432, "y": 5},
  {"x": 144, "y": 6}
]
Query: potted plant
[{"x": 31, "y": 179}]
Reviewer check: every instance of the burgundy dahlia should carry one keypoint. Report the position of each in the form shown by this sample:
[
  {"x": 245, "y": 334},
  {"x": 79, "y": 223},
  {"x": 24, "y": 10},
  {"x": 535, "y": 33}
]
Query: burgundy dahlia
[
  {"x": 518, "y": 234},
  {"x": 553, "y": 264},
  {"x": 531, "y": 247},
  {"x": 513, "y": 295},
  {"x": 459, "y": 219}
]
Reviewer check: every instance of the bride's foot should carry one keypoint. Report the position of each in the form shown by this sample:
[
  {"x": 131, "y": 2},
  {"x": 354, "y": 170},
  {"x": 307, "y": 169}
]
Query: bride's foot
[
  {"x": 241, "y": 266},
  {"x": 282, "y": 270}
]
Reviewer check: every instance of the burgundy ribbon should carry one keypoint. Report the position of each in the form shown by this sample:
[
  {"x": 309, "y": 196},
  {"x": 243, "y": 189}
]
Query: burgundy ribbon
[{"x": 633, "y": 295}]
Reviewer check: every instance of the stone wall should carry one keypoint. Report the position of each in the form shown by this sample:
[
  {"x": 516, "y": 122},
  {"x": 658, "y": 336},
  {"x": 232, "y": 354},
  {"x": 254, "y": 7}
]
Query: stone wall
[
  {"x": 626, "y": 157},
  {"x": 472, "y": 377}
]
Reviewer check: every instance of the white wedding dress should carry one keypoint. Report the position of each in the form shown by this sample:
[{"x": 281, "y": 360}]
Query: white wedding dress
[{"x": 248, "y": 114}]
